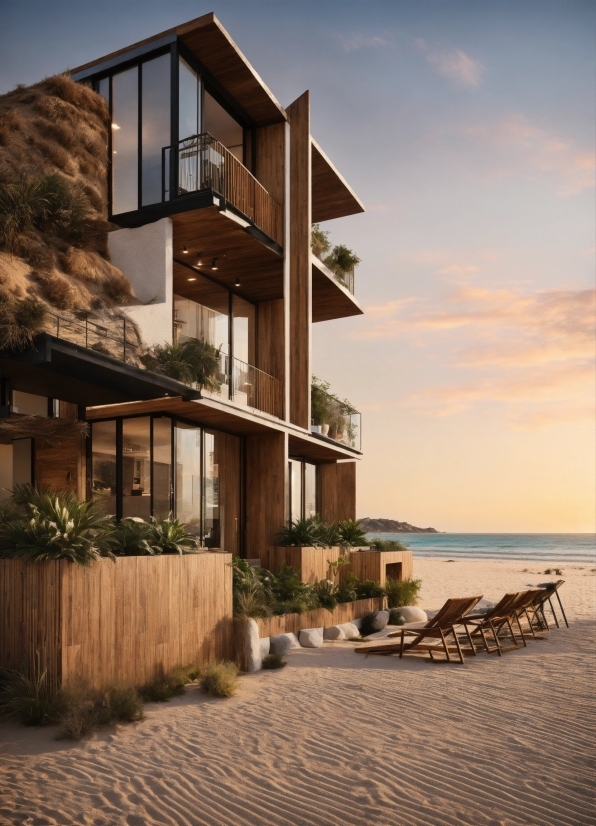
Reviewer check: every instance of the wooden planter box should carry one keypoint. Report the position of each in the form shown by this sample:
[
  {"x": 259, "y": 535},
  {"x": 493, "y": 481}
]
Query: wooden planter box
[
  {"x": 294, "y": 623},
  {"x": 313, "y": 563},
  {"x": 126, "y": 621},
  {"x": 378, "y": 565}
]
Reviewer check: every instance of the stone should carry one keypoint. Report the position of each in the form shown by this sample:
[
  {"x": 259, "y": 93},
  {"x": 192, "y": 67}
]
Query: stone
[
  {"x": 334, "y": 632},
  {"x": 264, "y": 646},
  {"x": 311, "y": 637},
  {"x": 380, "y": 620},
  {"x": 350, "y": 630},
  {"x": 357, "y": 623},
  {"x": 254, "y": 658},
  {"x": 280, "y": 644},
  {"x": 412, "y": 614}
]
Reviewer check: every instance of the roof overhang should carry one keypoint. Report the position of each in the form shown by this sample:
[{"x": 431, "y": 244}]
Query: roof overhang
[
  {"x": 330, "y": 299},
  {"x": 215, "y": 50},
  {"x": 332, "y": 196}
]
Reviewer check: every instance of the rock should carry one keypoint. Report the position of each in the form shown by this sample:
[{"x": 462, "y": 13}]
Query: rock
[
  {"x": 412, "y": 614},
  {"x": 380, "y": 620},
  {"x": 357, "y": 623},
  {"x": 264, "y": 646},
  {"x": 254, "y": 658},
  {"x": 350, "y": 630},
  {"x": 334, "y": 632},
  {"x": 282, "y": 643},
  {"x": 311, "y": 637}
]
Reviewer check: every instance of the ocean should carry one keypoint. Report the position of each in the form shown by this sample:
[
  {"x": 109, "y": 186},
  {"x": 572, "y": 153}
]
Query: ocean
[{"x": 540, "y": 547}]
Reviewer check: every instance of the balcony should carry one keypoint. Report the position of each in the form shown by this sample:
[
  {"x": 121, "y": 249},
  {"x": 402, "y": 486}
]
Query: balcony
[
  {"x": 202, "y": 163},
  {"x": 334, "y": 419}
]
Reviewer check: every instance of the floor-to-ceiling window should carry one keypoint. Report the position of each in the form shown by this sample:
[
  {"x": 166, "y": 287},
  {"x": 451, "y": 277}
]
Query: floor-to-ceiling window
[
  {"x": 125, "y": 140},
  {"x": 302, "y": 494},
  {"x": 136, "y": 467},
  {"x": 155, "y": 125}
]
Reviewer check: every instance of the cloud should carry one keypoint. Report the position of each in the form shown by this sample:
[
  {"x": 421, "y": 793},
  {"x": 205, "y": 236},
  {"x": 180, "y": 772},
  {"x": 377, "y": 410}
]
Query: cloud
[
  {"x": 358, "y": 40},
  {"x": 508, "y": 347},
  {"x": 521, "y": 147},
  {"x": 455, "y": 65}
]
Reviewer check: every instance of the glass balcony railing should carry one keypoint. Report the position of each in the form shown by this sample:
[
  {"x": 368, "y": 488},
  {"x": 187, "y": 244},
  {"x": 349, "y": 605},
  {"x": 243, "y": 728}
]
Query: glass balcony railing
[{"x": 343, "y": 424}]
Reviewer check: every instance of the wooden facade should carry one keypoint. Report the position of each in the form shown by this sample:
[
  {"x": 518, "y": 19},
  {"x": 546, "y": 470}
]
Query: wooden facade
[{"x": 124, "y": 621}]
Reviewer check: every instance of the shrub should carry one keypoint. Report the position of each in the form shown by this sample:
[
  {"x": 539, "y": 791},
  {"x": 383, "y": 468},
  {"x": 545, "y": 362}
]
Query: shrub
[
  {"x": 81, "y": 709},
  {"x": 386, "y": 545},
  {"x": 350, "y": 533},
  {"x": 193, "y": 362},
  {"x": 319, "y": 241},
  {"x": 162, "y": 689},
  {"x": 402, "y": 592},
  {"x": 169, "y": 536},
  {"x": 219, "y": 679},
  {"x": 20, "y": 322},
  {"x": 131, "y": 537},
  {"x": 56, "y": 290},
  {"x": 341, "y": 260},
  {"x": 301, "y": 532},
  {"x": 117, "y": 288},
  {"x": 27, "y": 698},
  {"x": 273, "y": 661},
  {"x": 54, "y": 525},
  {"x": 327, "y": 593},
  {"x": 395, "y": 617}
]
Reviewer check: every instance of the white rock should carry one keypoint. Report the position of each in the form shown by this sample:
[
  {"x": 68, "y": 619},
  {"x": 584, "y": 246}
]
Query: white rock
[
  {"x": 282, "y": 643},
  {"x": 412, "y": 614},
  {"x": 380, "y": 620},
  {"x": 311, "y": 637},
  {"x": 254, "y": 658},
  {"x": 350, "y": 629},
  {"x": 334, "y": 632},
  {"x": 264, "y": 646}
]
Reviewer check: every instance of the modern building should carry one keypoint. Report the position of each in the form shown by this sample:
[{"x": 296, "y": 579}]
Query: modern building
[{"x": 213, "y": 191}]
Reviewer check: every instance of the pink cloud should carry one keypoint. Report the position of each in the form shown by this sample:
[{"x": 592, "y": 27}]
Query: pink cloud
[{"x": 455, "y": 65}]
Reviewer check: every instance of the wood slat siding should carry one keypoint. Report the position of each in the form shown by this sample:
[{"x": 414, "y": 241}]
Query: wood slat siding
[
  {"x": 300, "y": 267},
  {"x": 294, "y": 623},
  {"x": 373, "y": 565},
  {"x": 312, "y": 563},
  {"x": 266, "y": 461},
  {"x": 125, "y": 621},
  {"x": 61, "y": 464},
  {"x": 336, "y": 491}
]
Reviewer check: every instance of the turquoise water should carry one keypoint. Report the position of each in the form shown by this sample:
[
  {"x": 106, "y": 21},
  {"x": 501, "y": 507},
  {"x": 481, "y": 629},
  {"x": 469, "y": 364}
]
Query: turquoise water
[{"x": 545, "y": 547}]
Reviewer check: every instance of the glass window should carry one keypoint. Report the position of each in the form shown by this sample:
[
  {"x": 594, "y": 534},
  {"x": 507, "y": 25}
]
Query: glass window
[
  {"x": 188, "y": 477},
  {"x": 103, "y": 87},
  {"x": 103, "y": 465},
  {"x": 162, "y": 467},
  {"x": 223, "y": 127},
  {"x": 310, "y": 490},
  {"x": 29, "y": 404},
  {"x": 155, "y": 120},
  {"x": 211, "y": 524},
  {"x": 295, "y": 489},
  {"x": 203, "y": 313},
  {"x": 125, "y": 140},
  {"x": 189, "y": 112},
  {"x": 136, "y": 468}
]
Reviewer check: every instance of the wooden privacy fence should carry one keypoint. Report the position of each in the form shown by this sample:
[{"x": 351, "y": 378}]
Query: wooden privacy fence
[
  {"x": 321, "y": 617},
  {"x": 126, "y": 621}
]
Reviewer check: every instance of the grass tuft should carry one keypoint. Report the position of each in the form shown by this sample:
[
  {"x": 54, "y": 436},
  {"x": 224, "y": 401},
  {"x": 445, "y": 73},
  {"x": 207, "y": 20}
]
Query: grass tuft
[
  {"x": 272, "y": 661},
  {"x": 219, "y": 679},
  {"x": 402, "y": 592}
]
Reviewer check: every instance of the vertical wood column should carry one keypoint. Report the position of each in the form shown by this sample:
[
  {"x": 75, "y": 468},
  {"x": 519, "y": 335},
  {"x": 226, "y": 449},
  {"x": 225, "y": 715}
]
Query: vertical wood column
[
  {"x": 300, "y": 270},
  {"x": 336, "y": 491},
  {"x": 266, "y": 470}
]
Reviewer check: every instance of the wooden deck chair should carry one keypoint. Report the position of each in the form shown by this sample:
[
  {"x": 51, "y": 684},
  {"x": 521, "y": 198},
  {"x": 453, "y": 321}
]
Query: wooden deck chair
[
  {"x": 547, "y": 592},
  {"x": 480, "y": 627},
  {"x": 525, "y": 607},
  {"x": 439, "y": 628}
]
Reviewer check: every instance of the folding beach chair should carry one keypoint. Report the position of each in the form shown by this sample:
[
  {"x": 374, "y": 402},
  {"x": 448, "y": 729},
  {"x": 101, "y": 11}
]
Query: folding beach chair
[
  {"x": 547, "y": 592},
  {"x": 480, "y": 627},
  {"x": 439, "y": 628}
]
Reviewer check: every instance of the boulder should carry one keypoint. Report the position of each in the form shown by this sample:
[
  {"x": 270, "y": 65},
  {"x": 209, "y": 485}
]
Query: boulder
[
  {"x": 334, "y": 632},
  {"x": 350, "y": 630},
  {"x": 280, "y": 644},
  {"x": 357, "y": 623},
  {"x": 380, "y": 620},
  {"x": 252, "y": 643},
  {"x": 412, "y": 614},
  {"x": 311, "y": 637},
  {"x": 264, "y": 646}
]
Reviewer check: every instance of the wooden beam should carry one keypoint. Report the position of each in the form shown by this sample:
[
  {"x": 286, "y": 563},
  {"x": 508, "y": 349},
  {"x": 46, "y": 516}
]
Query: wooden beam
[{"x": 300, "y": 267}]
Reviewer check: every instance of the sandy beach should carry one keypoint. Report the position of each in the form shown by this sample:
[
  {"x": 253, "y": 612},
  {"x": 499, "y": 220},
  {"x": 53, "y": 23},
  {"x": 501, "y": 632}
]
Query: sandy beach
[{"x": 336, "y": 738}]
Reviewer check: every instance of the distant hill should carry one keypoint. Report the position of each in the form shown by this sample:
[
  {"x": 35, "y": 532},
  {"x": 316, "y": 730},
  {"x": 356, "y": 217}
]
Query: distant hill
[{"x": 391, "y": 526}]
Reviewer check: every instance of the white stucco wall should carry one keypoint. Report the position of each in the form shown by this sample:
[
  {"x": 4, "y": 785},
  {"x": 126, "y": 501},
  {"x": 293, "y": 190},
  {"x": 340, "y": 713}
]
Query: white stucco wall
[{"x": 144, "y": 255}]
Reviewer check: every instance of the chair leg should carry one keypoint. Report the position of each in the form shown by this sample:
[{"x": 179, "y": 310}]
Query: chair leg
[
  {"x": 470, "y": 640},
  {"x": 562, "y": 609},
  {"x": 496, "y": 638},
  {"x": 553, "y": 612},
  {"x": 521, "y": 630},
  {"x": 401, "y": 647},
  {"x": 530, "y": 623},
  {"x": 458, "y": 646},
  {"x": 446, "y": 647}
]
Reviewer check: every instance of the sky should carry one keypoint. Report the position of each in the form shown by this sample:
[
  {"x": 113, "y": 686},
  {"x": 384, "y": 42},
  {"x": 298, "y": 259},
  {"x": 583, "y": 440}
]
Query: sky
[{"x": 467, "y": 130}]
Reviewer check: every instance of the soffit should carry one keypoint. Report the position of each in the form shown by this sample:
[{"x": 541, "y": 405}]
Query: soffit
[{"x": 332, "y": 196}]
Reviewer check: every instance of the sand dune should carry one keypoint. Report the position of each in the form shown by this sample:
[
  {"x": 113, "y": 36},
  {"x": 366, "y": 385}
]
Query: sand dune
[{"x": 336, "y": 738}]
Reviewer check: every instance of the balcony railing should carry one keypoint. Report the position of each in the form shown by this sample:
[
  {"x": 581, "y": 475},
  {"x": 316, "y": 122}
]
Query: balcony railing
[
  {"x": 201, "y": 162},
  {"x": 346, "y": 279},
  {"x": 254, "y": 388},
  {"x": 344, "y": 425},
  {"x": 112, "y": 338}
]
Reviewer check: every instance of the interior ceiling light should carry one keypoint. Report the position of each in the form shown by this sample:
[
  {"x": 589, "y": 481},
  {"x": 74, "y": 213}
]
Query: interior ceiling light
[
  {"x": 237, "y": 282},
  {"x": 214, "y": 264},
  {"x": 184, "y": 250},
  {"x": 192, "y": 279}
]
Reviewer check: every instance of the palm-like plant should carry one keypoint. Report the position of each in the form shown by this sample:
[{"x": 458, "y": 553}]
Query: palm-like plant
[
  {"x": 350, "y": 533},
  {"x": 50, "y": 525},
  {"x": 169, "y": 536},
  {"x": 131, "y": 537},
  {"x": 193, "y": 362},
  {"x": 301, "y": 532}
]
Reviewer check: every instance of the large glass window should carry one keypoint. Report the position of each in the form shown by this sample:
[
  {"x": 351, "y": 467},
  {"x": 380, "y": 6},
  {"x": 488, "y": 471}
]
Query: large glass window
[
  {"x": 188, "y": 476},
  {"x": 136, "y": 468},
  {"x": 310, "y": 490},
  {"x": 223, "y": 127},
  {"x": 189, "y": 101},
  {"x": 295, "y": 469},
  {"x": 103, "y": 465},
  {"x": 303, "y": 489},
  {"x": 162, "y": 467},
  {"x": 125, "y": 140},
  {"x": 155, "y": 124},
  {"x": 211, "y": 520}
]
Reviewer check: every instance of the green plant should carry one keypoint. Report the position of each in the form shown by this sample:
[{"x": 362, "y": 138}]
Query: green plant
[
  {"x": 348, "y": 588},
  {"x": 350, "y": 533},
  {"x": 219, "y": 679},
  {"x": 368, "y": 588},
  {"x": 169, "y": 536},
  {"x": 27, "y": 698},
  {"x": 329, "y": 535},
  {"x": 131, "y": 537},
  {"x": 251, "y": 599},
  {"x": 195, "y": 361},
  {"x": 319, "y": 241},
  {"x": 386, "y": 545},
  {"x": 402, "y": 592},
  {"x": 335, "y": 566},
  {"x": 163, "y": 688},
  {"x": 326, "y": 592},
  {"x": 301, "y": 532},
  {"x": 288, "y": 593},
  {"x": 341, "y": 260},
  {"x": 81, "y": 709},
  {"x": 272, "y": 661},
  {"x": 395, "y": 617},
  {"x": 54, "y": 525}
]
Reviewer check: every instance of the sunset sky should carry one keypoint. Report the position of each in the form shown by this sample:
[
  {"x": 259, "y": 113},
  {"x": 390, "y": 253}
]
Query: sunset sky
[{"x": 467, "y": 129}]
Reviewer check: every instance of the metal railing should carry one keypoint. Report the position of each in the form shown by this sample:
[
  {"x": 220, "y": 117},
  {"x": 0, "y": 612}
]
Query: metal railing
[
  {"x": 112, "y": 338},
  {"x": 254, "y": 388},
  {"x": 343, "y": 425},
  {"x": 201, "y": 162}
]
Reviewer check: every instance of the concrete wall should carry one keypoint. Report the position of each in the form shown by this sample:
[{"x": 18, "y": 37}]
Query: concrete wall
[{"x": 144, "y": 255}]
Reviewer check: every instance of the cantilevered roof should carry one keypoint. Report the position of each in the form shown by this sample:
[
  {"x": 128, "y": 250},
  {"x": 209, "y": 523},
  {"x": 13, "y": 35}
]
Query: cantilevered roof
[
  {"x": 216, "y": 51},
  {"x": 332, "y": 196}
]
